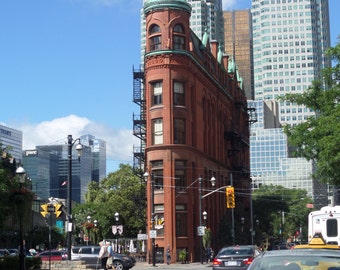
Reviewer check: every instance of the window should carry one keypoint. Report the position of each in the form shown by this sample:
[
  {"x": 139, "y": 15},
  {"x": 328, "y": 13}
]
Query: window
[
  {"x": 181, "y": 220},
  {"x": 180, "y": 176},
  {"x": 155, "y": 37},
  {"x": 157, "y": 172},
  {"x": 179, "y": 131},
  {"x": 157, "y": 131},
  {"x": 178, "y": 37},
  {"x": 157, "y": 93},
  {"x": 179, "y": 93}
]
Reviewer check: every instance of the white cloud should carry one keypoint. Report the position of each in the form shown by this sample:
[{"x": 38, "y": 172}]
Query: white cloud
[
  {"x": 229, "y": 4},
  {"x": 119, "y": 143}
]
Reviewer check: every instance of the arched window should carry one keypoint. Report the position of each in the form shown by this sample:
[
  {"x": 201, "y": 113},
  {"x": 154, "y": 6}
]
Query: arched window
[
  {"x": 178, "y": 37},
  {"x": 155, "y": 37}
]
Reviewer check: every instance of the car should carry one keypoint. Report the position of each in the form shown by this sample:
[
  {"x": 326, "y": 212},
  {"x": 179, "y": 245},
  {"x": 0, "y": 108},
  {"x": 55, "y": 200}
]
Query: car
[
  {"x": 4, "y": 252},
  {"x": 318, "y": 242},
  {"x": 235, "y": 257},
  {"x": 89, "y": 254},
  {"x": 297, "y": 259},
  {"x": 13, "y": 251},
  {"x": 55, "y": 255}
]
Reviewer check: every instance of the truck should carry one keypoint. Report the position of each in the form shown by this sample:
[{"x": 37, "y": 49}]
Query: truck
[{"x": 326, "y": 222}]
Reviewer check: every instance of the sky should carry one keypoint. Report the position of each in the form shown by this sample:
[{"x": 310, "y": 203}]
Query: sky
[{"x": 66, "y": 67}]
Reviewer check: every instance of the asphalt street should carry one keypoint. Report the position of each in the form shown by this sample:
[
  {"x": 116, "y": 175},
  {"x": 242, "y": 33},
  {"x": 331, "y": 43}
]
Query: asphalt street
[{"x": 196, "y": 266}]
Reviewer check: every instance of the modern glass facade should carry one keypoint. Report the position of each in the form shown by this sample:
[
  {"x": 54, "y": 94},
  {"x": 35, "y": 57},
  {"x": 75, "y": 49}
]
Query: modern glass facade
[
  {"x": 42, "y": 168},
  {"x": 12, "y": 139},
  {"x": 289, "y": 41},
  {"x": 98, "y": 150},
  {"x": 270, "y": 162}
]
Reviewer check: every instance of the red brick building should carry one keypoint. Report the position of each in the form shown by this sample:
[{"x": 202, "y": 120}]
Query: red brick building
[{"x": 196, "y": 125}]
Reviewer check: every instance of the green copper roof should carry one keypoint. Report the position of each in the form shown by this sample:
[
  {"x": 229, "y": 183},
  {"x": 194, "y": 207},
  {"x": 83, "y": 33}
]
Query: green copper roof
[{"x": 151, "y": 5}]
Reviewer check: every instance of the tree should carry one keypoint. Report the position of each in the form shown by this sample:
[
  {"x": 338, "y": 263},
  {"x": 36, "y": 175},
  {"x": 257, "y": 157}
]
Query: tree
[
  {"x": 122, "y": 192},
  {"x": 318, "y": 138},
  {"x": 281, "y": 212}
]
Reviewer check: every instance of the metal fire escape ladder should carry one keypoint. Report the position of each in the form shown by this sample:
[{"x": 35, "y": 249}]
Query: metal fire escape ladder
[{"x": 139, "y": 122}]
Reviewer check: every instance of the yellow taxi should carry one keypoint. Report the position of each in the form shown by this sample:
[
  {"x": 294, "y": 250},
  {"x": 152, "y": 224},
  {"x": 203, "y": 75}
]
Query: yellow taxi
[{"x": 317, "y": 242}]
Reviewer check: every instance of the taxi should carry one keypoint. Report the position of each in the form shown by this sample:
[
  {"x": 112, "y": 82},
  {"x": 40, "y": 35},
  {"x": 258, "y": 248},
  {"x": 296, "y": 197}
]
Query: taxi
[{"x": 317, "y": 242}]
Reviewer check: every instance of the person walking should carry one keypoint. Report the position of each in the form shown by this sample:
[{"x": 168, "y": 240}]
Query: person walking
[
  {"x": 168, "y": 254},
  {"x": 103, "y": 254}
]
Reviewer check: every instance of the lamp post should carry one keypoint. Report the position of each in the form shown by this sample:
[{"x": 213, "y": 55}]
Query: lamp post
[
  {"x": 21, "y": 173},
  {"x": 146, "y": 176},
  {"x": 117, "y": 222},
  {"x": 95, "y": 223},
  {"x": 201, "y": 230},
  {"x": 79, "y": 148},
  {"x": 88, "y": 218}
]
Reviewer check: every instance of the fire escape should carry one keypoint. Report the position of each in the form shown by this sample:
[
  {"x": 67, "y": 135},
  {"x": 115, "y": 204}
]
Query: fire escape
[{"x": 139, "y": 122}]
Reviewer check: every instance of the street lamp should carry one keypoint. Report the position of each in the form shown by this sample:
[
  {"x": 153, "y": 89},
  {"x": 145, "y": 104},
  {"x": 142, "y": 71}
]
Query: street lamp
[
  {"x": 205, "y": 216},
  {"x": 79, "y": 148},
  {"x": 21, "y": 173},
  {"x": 213, "y": 182},
  {"x": 88, "y": 228},
  {"x": 117, "y": 221},
  {"x": 146, "y": 176}
]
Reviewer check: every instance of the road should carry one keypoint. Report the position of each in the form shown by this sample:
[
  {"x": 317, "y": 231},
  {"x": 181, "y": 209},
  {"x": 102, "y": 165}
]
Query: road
[{"x": 188, "y": 266}]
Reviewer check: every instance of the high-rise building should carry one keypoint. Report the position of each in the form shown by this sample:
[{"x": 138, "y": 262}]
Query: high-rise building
[
  {"x": 11, "y": 139},
  {"x": 98, "y": 150},
  {"x": 270, "y": 160},
  {"x": 42, "y": 168},
  {"x": 238, "y": 43},
  {"x": 289, "y": 42},
  {"x": 47, "y": 166},
  {"x": 207, "y": 17}
]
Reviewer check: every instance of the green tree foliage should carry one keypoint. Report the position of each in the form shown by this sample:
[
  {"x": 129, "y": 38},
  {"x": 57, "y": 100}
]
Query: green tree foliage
[
  {"x": 123, "y": 192},
  {"x": 318, "y": 138},
  {"x": 280, "y": 212}
]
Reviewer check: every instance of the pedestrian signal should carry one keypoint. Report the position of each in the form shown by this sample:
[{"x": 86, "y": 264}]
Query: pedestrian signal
[{"x": 230, "y": 197}]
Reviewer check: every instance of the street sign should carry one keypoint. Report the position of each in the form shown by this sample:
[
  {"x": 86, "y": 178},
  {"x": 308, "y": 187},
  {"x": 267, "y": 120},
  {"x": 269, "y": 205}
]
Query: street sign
[
  {"x": 200, "y": 230},
  {"x": 142, "y": 236},
  {"x": 153, "y": 233}
]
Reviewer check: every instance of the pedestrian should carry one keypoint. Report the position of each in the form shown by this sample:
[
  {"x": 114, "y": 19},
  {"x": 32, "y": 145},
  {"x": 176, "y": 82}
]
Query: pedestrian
[
  {"x": 109, "y": 261},
  {"x": 168, "y": 255},
  {"x": 103, "y": 254}
]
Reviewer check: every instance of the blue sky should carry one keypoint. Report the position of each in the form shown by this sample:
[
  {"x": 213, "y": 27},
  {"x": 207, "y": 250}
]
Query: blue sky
[{"x": 66, "y": 68}]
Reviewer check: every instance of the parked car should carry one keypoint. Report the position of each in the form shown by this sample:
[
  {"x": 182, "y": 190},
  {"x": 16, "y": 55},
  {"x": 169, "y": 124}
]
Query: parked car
[
  {"x": 297, "y": 259},
  {"x": 56, "y": 255},
  {"x": 13, "y": 251},
  {"x": 235, "y": 257},
  {"x": 4, "y": 252},
  {"x": 89, "y": 254}
]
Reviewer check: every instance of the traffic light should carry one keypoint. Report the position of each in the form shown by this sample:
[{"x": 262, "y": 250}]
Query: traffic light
[
  {"x": 58, "y": 209},
  {"x": 44, "y": 211},
  {"x": 230, "y": 197}
]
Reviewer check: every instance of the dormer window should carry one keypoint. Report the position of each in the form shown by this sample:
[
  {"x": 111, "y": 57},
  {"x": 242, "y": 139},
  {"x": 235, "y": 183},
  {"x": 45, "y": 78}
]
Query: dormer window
[{"x": 178, "y": 37}]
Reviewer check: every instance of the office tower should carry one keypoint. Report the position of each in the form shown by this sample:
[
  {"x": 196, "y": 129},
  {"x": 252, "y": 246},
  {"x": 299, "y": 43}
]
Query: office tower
[
  {"x": 270, "y": 160},
  {"x": 289, "y": 41},
  {"x": 12, "y": 139},
  {"x": 98, "y": 150},
  {"x": 42, "y": 169},
  {"x": 207, "y": 16},
  {"x": 238, "y": 43}
]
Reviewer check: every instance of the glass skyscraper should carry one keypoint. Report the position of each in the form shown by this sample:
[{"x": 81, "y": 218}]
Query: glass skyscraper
[
  {"x": 12, "y": 138},
  {"x": 289, "y": 42}
]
